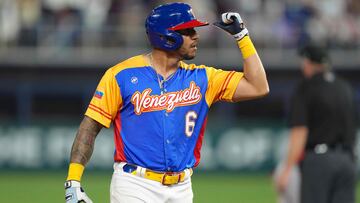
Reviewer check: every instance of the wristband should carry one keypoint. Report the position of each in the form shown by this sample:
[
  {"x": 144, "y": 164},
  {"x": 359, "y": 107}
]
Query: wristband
[
  {"x": 75, "y": 171},
  {"x": 247, "y": 47}
]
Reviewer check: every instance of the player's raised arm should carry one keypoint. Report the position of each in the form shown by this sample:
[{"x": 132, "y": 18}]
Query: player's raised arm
[
  {"x": 254, "y": 84},
  {"x": 81, "y": 152}
]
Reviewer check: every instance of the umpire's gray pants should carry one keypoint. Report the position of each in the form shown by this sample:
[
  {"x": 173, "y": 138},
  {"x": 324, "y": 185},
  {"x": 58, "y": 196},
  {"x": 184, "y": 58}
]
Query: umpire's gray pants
[{"x": 328, "y": 177}]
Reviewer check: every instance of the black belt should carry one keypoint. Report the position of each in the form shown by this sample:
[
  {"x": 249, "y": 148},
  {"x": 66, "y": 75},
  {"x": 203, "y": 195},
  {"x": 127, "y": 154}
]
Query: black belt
[{"x": 323, "y": 148}]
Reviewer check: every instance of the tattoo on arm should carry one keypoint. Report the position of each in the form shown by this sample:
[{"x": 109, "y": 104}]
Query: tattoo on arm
[{"x": 83, "y": 145}]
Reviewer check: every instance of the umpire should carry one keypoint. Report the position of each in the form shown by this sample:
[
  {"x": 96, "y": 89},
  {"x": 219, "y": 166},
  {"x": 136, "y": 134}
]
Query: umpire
[{"x": 322, "y": 133}]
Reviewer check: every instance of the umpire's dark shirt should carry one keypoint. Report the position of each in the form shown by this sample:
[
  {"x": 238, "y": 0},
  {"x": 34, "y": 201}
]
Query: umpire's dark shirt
[{"x": 326, "y": 105}]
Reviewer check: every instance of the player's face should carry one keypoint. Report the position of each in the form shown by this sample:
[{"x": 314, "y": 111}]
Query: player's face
[{"x": 188, "y": 49}]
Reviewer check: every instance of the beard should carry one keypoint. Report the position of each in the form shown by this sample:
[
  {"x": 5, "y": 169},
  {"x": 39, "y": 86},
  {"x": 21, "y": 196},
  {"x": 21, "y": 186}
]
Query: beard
[
  {"x": 186, "y": 53},
  {"x": 188, "y": 57}
]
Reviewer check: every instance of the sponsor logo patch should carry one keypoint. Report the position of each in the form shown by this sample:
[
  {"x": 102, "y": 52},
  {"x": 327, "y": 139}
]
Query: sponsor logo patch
[{"x": 134, "y": 80}]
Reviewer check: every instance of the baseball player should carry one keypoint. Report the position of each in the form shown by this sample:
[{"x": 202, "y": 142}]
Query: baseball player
[{"x": 158, "y": 105}]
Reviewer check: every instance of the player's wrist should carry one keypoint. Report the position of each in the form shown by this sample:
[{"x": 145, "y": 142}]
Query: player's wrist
[
  {"x": 246, "y": 46},
  {"x": 243, "y": 33},
  {"x": 75, "y": 172}
]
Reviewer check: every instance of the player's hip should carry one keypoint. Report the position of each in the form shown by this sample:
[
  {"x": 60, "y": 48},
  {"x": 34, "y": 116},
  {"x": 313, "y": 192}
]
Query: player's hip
[{"x": 130, "y": 184}]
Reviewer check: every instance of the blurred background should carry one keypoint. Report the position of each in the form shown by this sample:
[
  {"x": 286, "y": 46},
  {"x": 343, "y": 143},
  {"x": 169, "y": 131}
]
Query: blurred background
[{"x": 53, "y": 53}]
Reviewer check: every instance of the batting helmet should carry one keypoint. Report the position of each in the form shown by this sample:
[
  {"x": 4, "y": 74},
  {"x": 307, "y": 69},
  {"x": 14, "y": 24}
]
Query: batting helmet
[{"x": 164, "y": 20}]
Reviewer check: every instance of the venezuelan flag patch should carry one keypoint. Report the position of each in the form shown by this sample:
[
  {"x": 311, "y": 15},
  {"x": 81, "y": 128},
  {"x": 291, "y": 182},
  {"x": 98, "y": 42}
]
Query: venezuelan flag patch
[{"x": 98, "y": 94}]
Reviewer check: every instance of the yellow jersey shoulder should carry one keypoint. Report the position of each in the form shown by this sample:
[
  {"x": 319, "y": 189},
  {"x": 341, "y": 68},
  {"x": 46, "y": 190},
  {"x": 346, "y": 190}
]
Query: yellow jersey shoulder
[
  {"x": 191, "y": 66},
  {"x": 133, "y": 62}
]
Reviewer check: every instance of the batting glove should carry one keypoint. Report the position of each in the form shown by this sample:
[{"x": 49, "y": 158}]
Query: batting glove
[
  {"x": 74, "y": 193},
  {"x": 233, "y": 24}
]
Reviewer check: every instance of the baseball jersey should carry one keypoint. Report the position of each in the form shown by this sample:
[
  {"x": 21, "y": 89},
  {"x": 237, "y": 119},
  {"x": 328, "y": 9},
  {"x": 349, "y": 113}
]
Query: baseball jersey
[{"x": 159, "y": 124}]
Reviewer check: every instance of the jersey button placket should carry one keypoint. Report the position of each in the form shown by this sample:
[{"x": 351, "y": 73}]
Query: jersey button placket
[
  {"x": 166, "y": 136},
  {"x": 164, "y": 90}
]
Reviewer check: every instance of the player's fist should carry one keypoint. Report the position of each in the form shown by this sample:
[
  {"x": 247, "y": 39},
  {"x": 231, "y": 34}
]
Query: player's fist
[
  {"x": 74, "y": 193},
  {"x": 233, "y": 24}
]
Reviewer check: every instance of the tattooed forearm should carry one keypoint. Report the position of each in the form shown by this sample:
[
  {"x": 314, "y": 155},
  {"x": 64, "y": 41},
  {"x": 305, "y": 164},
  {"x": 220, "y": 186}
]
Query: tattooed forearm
[{"x": 83, "y": 145}]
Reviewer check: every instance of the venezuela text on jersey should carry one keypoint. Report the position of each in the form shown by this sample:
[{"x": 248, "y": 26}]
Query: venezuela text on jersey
[{"x": 144, "y": 102}]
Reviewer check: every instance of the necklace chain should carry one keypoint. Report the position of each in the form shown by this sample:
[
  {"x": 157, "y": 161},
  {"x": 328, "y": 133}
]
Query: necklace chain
[
  {"x": 157, "y": 74},
  {"x": 161, "y": 82}
]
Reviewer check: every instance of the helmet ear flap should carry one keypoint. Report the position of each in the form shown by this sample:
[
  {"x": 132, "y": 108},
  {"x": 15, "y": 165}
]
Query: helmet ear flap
[
  {"x": 172, "y": 40},
  {"x": 168, "y": 40}
]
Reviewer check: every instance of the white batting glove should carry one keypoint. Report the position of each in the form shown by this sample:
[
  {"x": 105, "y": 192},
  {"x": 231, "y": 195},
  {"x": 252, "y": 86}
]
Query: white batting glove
[
  {"x": 232, "y": 23},
  {"x": 74, "y": 193}
]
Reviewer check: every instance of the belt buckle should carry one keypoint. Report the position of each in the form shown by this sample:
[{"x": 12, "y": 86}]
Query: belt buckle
[
  {"x": 321, "y": 148},
  {"x": 171, "y": 178}
]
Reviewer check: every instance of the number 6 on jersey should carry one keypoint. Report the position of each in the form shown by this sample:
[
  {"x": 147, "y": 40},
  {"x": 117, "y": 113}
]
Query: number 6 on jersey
[{"x": 190, "y": 119}]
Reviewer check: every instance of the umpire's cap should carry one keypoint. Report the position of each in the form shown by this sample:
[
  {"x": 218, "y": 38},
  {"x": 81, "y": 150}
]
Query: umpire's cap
[{"x": 314, "y": 53}]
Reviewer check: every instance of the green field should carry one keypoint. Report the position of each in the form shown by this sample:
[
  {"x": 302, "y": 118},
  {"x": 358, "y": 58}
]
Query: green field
[{"x": 39, "y": 187}]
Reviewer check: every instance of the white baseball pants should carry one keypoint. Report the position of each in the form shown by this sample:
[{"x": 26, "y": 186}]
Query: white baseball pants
[{"x": 129, "y": 188}]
